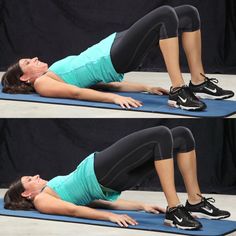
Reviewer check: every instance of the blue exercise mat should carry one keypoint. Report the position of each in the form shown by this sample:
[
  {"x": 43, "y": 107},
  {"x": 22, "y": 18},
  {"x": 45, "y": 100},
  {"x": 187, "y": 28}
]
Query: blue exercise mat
[
  {"x": 147, "y": 221},
  {"x": 152, "y": 103}
]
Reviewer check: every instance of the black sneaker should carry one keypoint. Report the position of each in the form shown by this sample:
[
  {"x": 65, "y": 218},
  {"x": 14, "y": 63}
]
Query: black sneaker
[
  {"x": 184, "y": 98},
  {"x": 205, "y": 209},
  {"x": 209, "y": 89},
  {"x": 179, "y": 217}
]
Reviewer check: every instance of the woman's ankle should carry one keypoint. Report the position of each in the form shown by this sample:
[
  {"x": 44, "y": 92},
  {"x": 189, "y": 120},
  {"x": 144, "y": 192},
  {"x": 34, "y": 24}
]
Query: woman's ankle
[{"x": 194, "y": 199}]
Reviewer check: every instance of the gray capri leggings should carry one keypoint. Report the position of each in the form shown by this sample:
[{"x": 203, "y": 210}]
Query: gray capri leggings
[
  {"x": 131, "y": 46},
  {"x": 125, "y": 163}
]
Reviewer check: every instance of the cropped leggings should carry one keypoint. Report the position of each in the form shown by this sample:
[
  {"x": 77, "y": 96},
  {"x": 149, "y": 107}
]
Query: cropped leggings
[
  {"x": 128, "y": 161},
  {"x": 131, "y": 46}
]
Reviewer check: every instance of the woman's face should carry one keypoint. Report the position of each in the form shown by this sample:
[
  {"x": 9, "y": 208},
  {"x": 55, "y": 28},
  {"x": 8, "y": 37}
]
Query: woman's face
[
  {"x": 32, "y": 185},
  {"x": 32, "y": 68}
]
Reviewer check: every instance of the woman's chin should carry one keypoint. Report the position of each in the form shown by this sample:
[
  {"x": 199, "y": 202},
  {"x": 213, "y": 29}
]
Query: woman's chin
[{"x": 46, "y": 67}]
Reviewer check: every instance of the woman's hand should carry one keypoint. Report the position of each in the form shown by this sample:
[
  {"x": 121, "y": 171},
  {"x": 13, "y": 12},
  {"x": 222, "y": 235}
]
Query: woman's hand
[
  {"x": 122, "y": 220},
  {"x": 157, "y": 90},
  {"x": 126, "y": 102},
  {"x": 153, "y": 209}
]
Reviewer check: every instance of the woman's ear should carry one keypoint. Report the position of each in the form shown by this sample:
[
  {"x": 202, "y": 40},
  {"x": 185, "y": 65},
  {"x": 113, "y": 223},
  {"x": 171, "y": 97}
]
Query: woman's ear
[
  {"x": 24, "y": 78},
  {"x": 26, "y": 194}
]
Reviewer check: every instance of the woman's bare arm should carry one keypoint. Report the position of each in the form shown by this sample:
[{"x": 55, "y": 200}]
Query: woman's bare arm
[
  {"x": 48, "y": 87},
  {"x": 45, "y": 203},
  {"x": 122, "y": 204},
  {"x": 130, "y": 87},
  {"x": 48, "y": 204},
  {"x": 118, "y": 205}
]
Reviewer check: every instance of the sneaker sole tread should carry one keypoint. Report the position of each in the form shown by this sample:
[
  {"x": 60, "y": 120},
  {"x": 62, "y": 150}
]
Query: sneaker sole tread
[
  {"x": 174, "y": 104},
  {"x": 170, "y": 223},
  {"x": 205, "y": 216},
  {"x": 208, "y": 96}
]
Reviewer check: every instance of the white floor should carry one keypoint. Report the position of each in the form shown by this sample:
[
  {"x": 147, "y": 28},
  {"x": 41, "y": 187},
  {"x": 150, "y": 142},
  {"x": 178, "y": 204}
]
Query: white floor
[
  {"x": 15, "y": 109},
  {"x": 11, "y": 226}
]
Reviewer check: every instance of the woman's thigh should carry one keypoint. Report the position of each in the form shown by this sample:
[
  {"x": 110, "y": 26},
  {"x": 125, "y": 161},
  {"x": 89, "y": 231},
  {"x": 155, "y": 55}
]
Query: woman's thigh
[
  {"x": 131, "y": 46},
  {"x": 116, "y": 167}
]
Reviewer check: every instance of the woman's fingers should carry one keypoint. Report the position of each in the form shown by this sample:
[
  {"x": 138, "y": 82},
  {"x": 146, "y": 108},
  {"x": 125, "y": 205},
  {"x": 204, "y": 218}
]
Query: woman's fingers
[
  {"x": 119, "y": 223},
  {"x": 130, "y": 102},
  {"x": 137, "y": 103},
  {"x": 125, "y": 221},
  {"x": 158, "y": 90},
  {"x": 122, "y": 105},
  {"x": 154, "y": 211},
  {"x": 127, "y": 102},
  {"x": 131, "y": 220},
  {"x": 164, "y": 91},
  {"x": 133, "y": 104},
  {"x": 161, "y": 209}
]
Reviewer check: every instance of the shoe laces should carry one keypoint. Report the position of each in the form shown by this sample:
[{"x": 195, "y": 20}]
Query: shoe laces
[
  {"x": 207, "y": 201},
  {"x": 175, "y": 89},
  {"x": 210, "y": 80},
  {"x": 186, "y": 89},
  {"x": 186, "y": 212},
  {"x": 183, "y": 210},
  {"x": 189, "y": 93}
]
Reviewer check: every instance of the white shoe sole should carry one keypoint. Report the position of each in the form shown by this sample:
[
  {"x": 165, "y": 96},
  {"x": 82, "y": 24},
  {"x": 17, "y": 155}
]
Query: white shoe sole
[
  {"x": 208, "y": 96},
  {"x": 174, "y": 104},
  {"x": 202, "y": 215},
  {"x": 170, "y": 223}
]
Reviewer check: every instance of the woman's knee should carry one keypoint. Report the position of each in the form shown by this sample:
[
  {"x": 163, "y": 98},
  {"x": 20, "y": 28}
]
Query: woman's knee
[
  {"x": 167, "y": 11},
  {"x": 159, "y": 134},
  {"x": 183, "y": 139},
  {"x": 192, "y": 12},
  {"x": 189, "y": 17},
  {"x": 160, "y": 131},
  {"x": 162, "y": 137},
  {"x": 169, "y": 22}
]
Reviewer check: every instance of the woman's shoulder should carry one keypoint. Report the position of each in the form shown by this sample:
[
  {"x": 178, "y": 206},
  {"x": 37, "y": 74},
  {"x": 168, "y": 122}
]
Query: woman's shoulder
[
  {"x": 48, "y": 76},
  {"x": 46, "y": 80},
  {"x": 52, "y": 75},
  {"x": 43, "y": 195},
  {"x": 48, "y": 190}
]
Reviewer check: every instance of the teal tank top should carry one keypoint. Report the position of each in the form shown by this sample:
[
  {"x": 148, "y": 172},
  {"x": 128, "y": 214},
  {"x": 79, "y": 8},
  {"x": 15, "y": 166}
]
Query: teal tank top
[
  {"x": 81, "y": 187},
  {"x": 92, "y": 66}
]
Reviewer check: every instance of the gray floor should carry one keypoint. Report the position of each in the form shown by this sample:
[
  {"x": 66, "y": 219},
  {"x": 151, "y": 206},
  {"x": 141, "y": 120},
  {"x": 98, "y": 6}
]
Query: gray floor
[
  {"x": 10, "y": 226},
  {"x": 12, "y": 109}
]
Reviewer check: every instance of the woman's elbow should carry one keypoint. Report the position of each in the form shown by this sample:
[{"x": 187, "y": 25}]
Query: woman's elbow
[
  {"x": 75, "y": 94},
  {"x": 72, "y": 212},
  {"x": 115, "y": 86}
]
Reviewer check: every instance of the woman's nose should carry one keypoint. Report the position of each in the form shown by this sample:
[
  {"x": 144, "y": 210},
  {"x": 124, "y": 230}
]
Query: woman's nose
[{"x": 36, "y": 176}]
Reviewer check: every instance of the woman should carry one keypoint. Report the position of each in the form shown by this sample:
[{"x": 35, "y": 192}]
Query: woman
[
  {"x": 105, "y": 63},
  {"x": 102, "y": 176}
]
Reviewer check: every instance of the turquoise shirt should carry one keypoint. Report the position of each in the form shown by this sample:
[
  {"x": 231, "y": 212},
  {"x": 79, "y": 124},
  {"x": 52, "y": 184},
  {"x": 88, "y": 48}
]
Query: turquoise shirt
[
  {"x": 81, "y": 187},
  {"x": 90, "y": 67}
]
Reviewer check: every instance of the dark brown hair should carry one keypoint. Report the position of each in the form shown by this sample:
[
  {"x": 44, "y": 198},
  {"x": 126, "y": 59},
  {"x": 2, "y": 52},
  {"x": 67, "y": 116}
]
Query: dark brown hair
[
  {"x": 11, "y": 81},
  {"x": 13, "y": 199}
]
